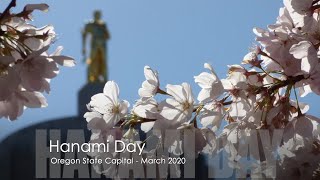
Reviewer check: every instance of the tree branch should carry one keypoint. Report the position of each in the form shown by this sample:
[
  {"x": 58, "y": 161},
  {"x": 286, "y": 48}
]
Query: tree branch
[
  {"x": 7, "y": 10},
  {"x": 315, "y": 2},
  {"x": 290, "y": 80},
  {"x": 316, "y": 7}
]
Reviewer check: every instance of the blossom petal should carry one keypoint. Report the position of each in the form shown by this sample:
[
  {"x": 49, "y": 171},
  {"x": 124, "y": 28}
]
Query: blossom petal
[{"x": 111, "y": 90}]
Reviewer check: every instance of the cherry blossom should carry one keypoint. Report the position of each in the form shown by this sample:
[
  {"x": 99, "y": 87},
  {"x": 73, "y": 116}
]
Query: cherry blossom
[
  {"x": 210, "y": 84},
  {"x": 260, "y": 97},
  {"x": 151, "y": 85},
  {"x": 17, "y": 101},
  {"x": 109, "y": 105},
  {"x": 9, "y": 79},
  {"x": 35, "y": 71},
  {"x": 146, "y": 108},
  {"x": 178, "y": 109},
  {"x": 305, "y": 51},
  {"x": 211, "y": 115}
]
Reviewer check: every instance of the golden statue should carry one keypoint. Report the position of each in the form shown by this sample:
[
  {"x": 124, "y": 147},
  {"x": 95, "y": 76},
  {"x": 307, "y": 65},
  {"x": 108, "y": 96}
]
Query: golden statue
[{"x": 97, "y": 62}]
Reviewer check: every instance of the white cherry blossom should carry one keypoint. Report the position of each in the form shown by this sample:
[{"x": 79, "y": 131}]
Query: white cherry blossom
[
  {"x": 109, "y": 105},
  {"x": 178, "y": 109},
  {"x": 210, "y": 84},
  {"x": 211, "y": 116},
  {"x": 146, "y": 108},
  {"x": 151, "y": 85},
  {"x": 35, "y": 71}
]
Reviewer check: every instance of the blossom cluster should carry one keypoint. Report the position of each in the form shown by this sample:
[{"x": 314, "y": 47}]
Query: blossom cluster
[
  {"x": 261, "y": 93},
  {"x": 26, "y": 67}
]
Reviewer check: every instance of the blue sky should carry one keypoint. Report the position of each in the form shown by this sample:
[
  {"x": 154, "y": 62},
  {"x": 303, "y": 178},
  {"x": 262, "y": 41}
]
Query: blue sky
[{"x": 173, "y": 37}]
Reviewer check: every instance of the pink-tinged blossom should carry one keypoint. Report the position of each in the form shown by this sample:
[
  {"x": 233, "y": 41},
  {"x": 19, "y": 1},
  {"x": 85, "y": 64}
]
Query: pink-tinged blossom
[
  {"x": 35, "y": 71},
  {"x": 305, "y": 51},
  {"x": 301, "y": 125},
  {"x": 25, "y": 66},
  {"x": 302, "y": 13},
  {"x": 9, "y": 78}
]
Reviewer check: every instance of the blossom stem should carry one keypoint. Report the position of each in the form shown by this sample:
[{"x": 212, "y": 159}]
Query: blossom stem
[
  {"x": 267, "y": 73},
  {"x": 266, "y": 55},
  {"x": 198, "y": 109},
  {"x": 299, "y": 109},
  {"x": 225, "y": 98},
  {"x": 135, "y": 121},
  {"x": 123, "y": 124},
  {"x": 18, "y": 44},
  {"x": 195, "y": 121},
  {"x": 288, "y": 91},
  {"x": 143, "y": 120},
  {"x": 160, "y": 91},
  {"x": 144, "y": 141},
  {"x": 227, "y": 103},
  {"x": 12, "y": 47}
]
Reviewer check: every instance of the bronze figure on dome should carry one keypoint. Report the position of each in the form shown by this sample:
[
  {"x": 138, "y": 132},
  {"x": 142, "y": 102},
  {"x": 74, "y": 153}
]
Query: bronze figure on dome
[{"x": 97, "y": 61}]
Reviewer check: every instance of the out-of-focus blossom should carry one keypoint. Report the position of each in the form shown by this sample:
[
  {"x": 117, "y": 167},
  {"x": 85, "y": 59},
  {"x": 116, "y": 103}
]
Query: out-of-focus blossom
[
  {"x": 13, "y": 107},
  {"x": 25, "y": 66}
]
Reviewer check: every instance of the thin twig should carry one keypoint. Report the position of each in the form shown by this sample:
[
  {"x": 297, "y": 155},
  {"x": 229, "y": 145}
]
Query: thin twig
[{"x": 266, "y": 55}]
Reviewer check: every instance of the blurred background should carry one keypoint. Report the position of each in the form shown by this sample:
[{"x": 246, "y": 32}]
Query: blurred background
[{"x": 173, "y": 37}]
